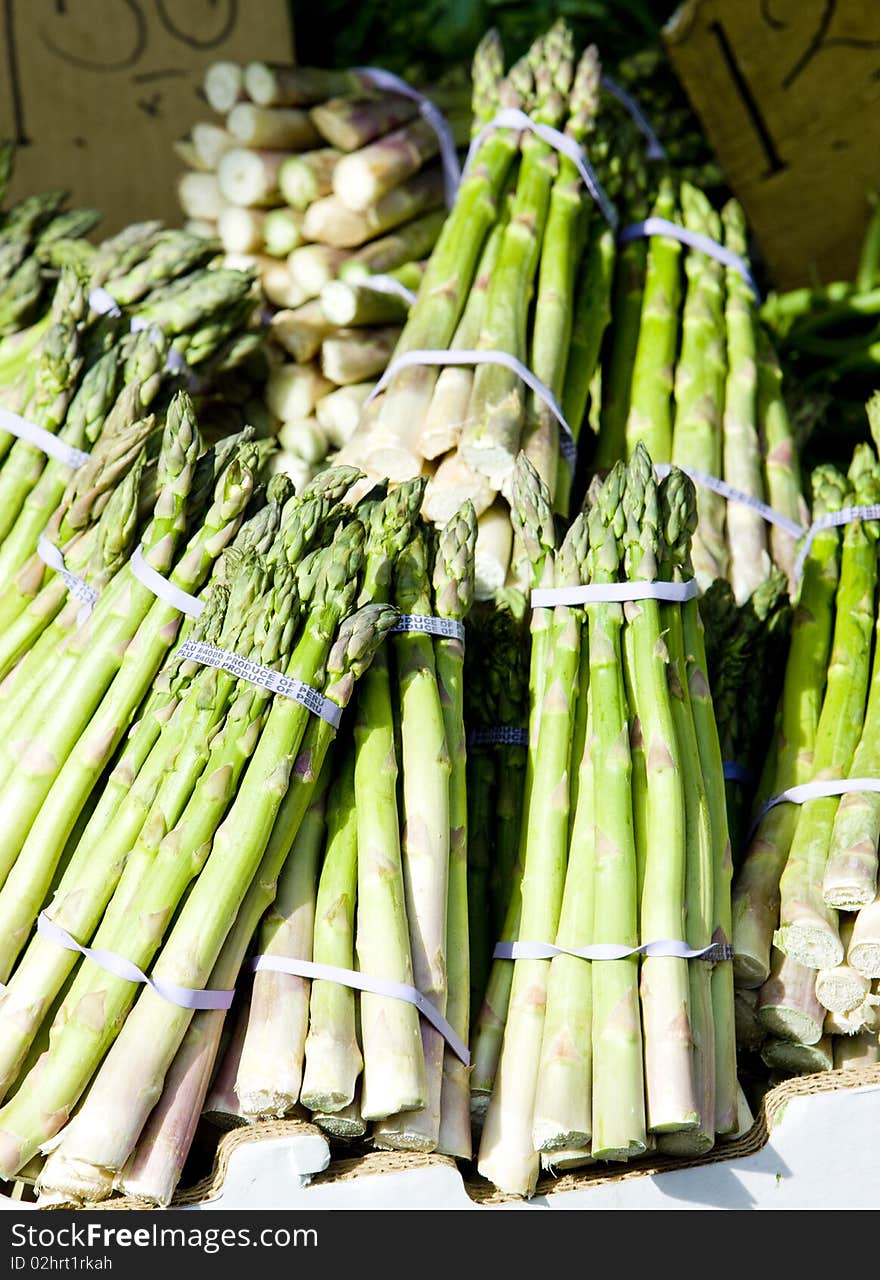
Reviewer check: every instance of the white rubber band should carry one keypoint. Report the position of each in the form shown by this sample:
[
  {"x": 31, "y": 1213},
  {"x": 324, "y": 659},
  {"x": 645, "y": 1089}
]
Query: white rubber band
[
  {"x": 615, "y": 593},
  {"x": 78, "y": 587},
  {"x": 513, "y": 118},
  {"x": 818, "y": 789},
  {"x": 41, "y": 439},
  {"x": 375, "y": 986},
  {"x": 431, "y": 114},
  {"x": 655, "y": 226},
  {"x": 120, "y": 967},
  {"x": 313, "y": 700},
  {"x": 655, "y": 149},
  {"x": 104, "y": 303},
  {"x": 161, "y": 587},
  {"x": 387, "y": 284},
  {"x": 448, "y": 628},
  {"x": 412, "y": 359},
  {"x": 727, "y": 491},
  {"x": 847, "y": 515},
  {"x": 501, "y": 735},
  {"x": 716, "y": 951}
]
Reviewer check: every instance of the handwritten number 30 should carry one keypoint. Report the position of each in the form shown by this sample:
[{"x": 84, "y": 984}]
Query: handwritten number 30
[{"x": 222, "y": 16}]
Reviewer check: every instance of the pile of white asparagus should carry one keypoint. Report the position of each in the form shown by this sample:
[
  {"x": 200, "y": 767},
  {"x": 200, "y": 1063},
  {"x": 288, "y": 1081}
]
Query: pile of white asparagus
[{"x": 319, "y": 181}]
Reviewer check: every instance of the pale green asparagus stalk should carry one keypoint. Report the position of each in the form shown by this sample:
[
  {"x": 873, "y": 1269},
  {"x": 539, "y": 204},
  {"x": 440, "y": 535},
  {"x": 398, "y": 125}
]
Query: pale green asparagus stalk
[
  {"x": 554, "y": 303},
  {"x": 271, "y": 1063},
  {"x": 618, "y": 1084},
  {"x": 453, "y": 596},
  {"x": 591, "y": 318},
  {"x": 672, "y": 1102},
  {"x": 712, "y": 769},
  {"x": 395, "y": 1077},
  {"x": 782, "y": 473},
  {"x": 449, "y": 407},
  {"x": 699, "y": 385},
  {"x": 426, "y": 771},
  {"x": 679, "y": 515},
  {"x": 617, "y": 373},
  {"x": 850, "y": 879},
  {"x": 333, "y": 1059},
  {"x": 746, "y": 529},
  {"x": 650, "y": 409}
]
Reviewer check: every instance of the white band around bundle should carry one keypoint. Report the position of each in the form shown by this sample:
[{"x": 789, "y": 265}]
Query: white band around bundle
[
  {"x": 161, "y": 587},
  {"x": 655, "y": 226},
  {"x": 375, "y": 986},
  {"x": 387, "y": 284},
  {"x": 313, "y": 700},
  {"x": 499, "y": 735},
  {"x": 513, "y": 118},
  {"x": 716, "y": 951},
  {"x": 430, "y": 113},
  {"x": 78, "y": 587},
  {"x": 655, "y": 149},
  {"x": 447, "y": 628},
  {"x": 120, "y": 967},
  {"x": 615, "y": 593},
  {"x": 831, "y": 521},
  {"x": 705, "y": 481},
  {"x": 42, "y": 439},
  {"x": 104, "y": 303},
  {"x": 412, "y": 359},
  {"x": 818, "y": 789}
]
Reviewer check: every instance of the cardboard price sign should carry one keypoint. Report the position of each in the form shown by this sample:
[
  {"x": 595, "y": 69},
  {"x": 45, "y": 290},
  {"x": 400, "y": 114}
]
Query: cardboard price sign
[
  {"x": 95, "y": 92},
  {"x": 789, "y": 94}
]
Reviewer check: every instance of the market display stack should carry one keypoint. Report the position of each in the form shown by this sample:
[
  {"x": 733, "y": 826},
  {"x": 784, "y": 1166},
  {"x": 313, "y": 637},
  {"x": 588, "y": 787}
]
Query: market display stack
[{"x": 331, "y": 186}]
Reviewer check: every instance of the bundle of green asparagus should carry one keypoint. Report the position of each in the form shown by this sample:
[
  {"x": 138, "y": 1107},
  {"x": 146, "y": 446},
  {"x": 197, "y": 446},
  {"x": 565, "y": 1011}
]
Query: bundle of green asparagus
[
  {"x": 167, "y": 861},
  {"x": 805, "y": 897},
  {"x": 624, "y": 843},
  {"x": 168, "y": 283},
  {"x": 527, "y": 265},
  {"x": 320, "y": 180},
  {"x": 688, "y": 370},
  {"x": 377, "y": 881}
]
